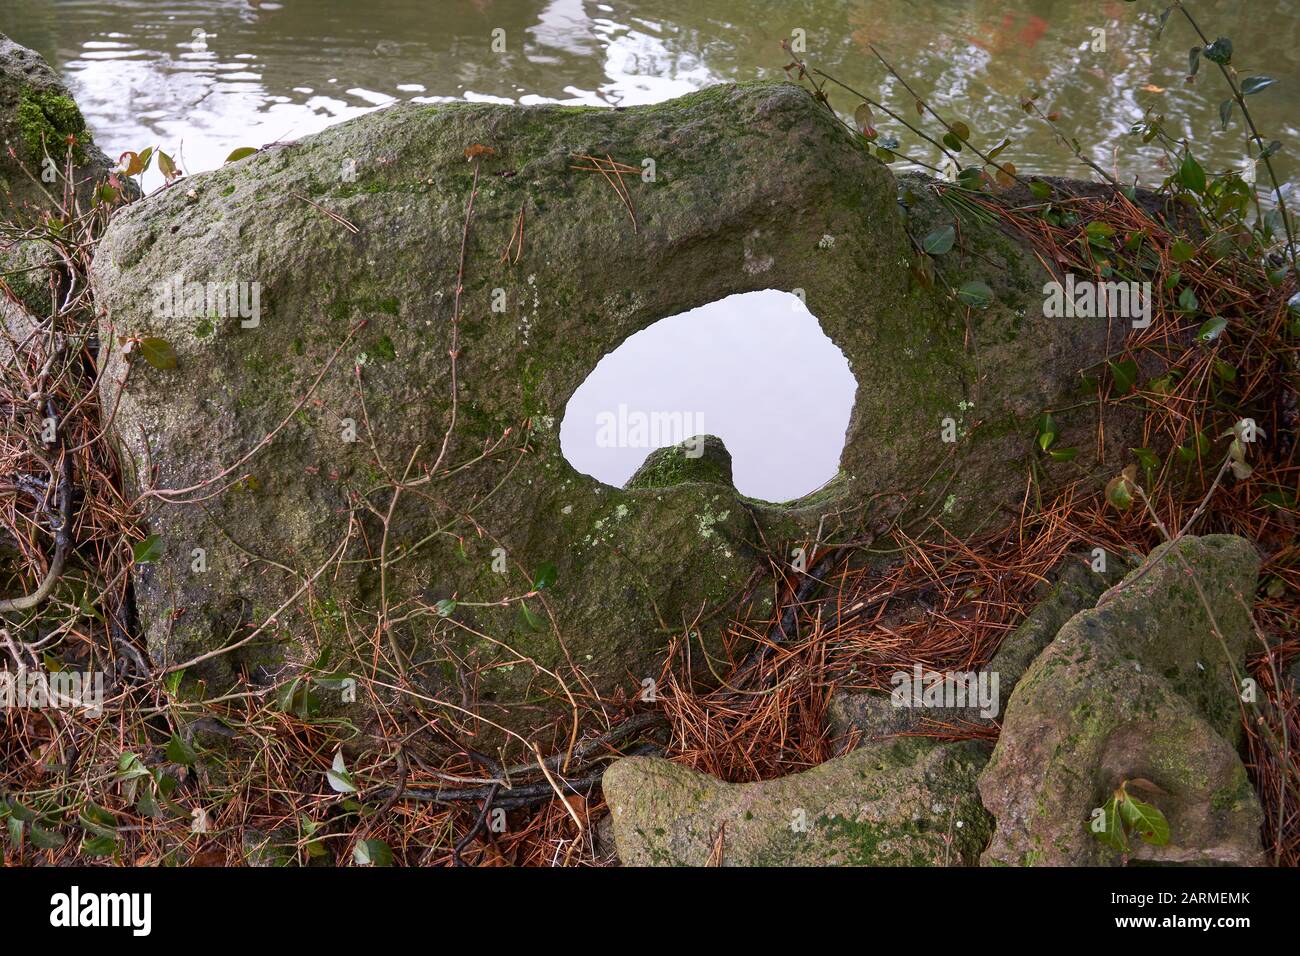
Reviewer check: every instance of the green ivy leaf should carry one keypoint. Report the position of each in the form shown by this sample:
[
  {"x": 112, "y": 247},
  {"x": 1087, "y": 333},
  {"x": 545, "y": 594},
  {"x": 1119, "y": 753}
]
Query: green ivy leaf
[
  {"x": 44, "y": 839},
  {"x": 939, "y": 241},
  {"x": 976, "y": 294},
  {"x": 545, "y": 576},
  {"x": 372, "y": 853},
  {"x": 1110, "y": 832},
  {"x": 1191, "y": 175},
  {"x": 158, "y": 353},
  {"x": 1253, "y": 84},
  {"x": 150, "y": 549},
  {"x": 98, "y": 821},
  {"x": 99, "y": 846},
  {"x": 340, "y": 780},
  {"x": 1211, "y": 329},
  {"x": 1145, "y": 820},
  {"x": 178, "y": 751},
  {"x": 1220, "y": 51},
  {"x": 1124, "y": 374}
]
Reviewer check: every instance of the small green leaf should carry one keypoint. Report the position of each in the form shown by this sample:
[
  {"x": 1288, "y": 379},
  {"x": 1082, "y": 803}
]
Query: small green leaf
[
  {"x": 19, "y": 812},
  {"x": 1063, "y": 454},
  {"x": 130, "y": 766},
  {"x": 241, "y": 153},
  {"x": 1119, "y": 493},
  {"x": 952, "y": 142},
  {"x": 976, "y": 294},
  {"x": 545, "y": 576},
  {"x": 167, "y": 166},
  {"x": 1145, "y": 820},
  {"x": 1187, "y": 300},
  {"x": 1046, "y": 431},
  {"x": 939, "y": 241},
  {"x": 1225, "y": 113},
  {"x": 158, "y": 353},
  {"x": 1149, "y": 461},
  {"x": 1041, "y": 191},
  {"x": 340, "y": 780},
  {"x": 46, "y": 839},
  {"x": 98, "y": 821},
  {"x": 1193, "y": 60},
  {"x": 1105, "y": 826},
  {"x": 99, "y": 846},
  {"x": 150, "y": 549},
  {"x": 1124, "y": 374},
  {"x": 1191, "y": 175},
  {"x": 445, "y": 608},
  {"x": 1181, "y": 251},
  {"x": 372, "y": 853},
  {"x": 178, "y": 751},
  {"x": 1220, "y": 51},
  {"x": 1211, "y": 329},
  {"x": 1253, "y": 84}
]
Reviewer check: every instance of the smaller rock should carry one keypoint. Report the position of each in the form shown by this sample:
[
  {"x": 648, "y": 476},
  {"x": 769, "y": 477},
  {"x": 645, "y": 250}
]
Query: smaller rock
[
  {"x": 1138, "y": 688},
  {"x": 906, "y": 802},
  {"x": 37, "y": 118},
  {"x": 699, "y": 458},
  {"x": 1076, "y": 588}
]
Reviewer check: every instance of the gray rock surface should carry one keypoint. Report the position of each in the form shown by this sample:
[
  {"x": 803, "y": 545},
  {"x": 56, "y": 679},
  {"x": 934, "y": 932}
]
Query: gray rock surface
[
  {"x": 756, "y": 186},
  {"x": 906, "y": 802},
  {"x": 1140, "y": 688}
]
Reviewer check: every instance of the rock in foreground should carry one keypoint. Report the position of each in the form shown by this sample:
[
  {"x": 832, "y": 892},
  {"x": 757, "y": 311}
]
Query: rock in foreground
[
  {"x": 1139, "y": 688},
  {"x": 905, "y": 802}
]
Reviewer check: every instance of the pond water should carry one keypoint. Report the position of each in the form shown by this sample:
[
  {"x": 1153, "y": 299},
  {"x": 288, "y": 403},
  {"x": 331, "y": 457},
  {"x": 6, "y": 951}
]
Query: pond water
[
  {"x": 207, "y": 76},
  {"x": 203, "y": 77}
]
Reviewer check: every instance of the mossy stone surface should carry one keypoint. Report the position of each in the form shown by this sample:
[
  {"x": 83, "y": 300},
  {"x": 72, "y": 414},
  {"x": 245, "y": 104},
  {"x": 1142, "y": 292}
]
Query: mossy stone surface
[
  {"x": 700, "y": 458},
  {"x": 1140, "y": 687},
  {"x": 37, "y": 116},
  {"x": 757, "y": 186},
  {"x": 906, "y": 802}
]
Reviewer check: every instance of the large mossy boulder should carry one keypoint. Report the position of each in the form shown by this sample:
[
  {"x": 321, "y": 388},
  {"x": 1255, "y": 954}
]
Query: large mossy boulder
[
  {"x": 1143, "y": 687},
  {"x": 353, "y": 237},
  {"x": 905, "y": 802}
]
